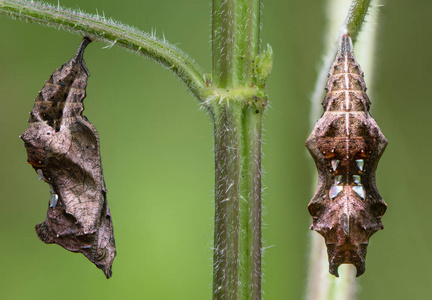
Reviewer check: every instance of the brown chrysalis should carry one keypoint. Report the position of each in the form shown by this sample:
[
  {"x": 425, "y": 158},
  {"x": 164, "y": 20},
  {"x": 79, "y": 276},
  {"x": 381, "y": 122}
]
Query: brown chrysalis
[
  {"x": 63, "y": 148},
  {"x": 346, "y": 145}
]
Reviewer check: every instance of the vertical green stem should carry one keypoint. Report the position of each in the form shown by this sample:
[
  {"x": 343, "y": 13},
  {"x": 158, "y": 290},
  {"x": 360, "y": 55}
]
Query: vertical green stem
[
  {"x": 224, "y": 37},
  {"x": 237, "y": 108},
  {"x": 250, "y": 206},
  {"x": 216, "y": 41},
  {"x": 247, "y": 39},
  {"x": 235, "y": 41},
  {"x": 227, "y": 128},
  {"x": 237, "y": 240}
]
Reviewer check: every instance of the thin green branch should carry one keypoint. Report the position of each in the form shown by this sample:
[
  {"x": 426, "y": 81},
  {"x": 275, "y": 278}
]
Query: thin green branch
[
  {"x": 99, "y": 28},
  {"x": 356, "y": 17}
]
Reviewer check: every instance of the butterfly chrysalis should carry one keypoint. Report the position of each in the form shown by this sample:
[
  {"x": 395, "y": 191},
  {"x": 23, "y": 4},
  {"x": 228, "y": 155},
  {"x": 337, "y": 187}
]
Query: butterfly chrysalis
[
  {"x": 63, "y": 148},
  {"x": 346, "y": 145}
]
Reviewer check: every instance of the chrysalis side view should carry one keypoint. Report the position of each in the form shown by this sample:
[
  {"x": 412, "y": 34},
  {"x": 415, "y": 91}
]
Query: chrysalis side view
[
  {"x": 63, "y": 148},
  {"x": 346, "y": 145}
]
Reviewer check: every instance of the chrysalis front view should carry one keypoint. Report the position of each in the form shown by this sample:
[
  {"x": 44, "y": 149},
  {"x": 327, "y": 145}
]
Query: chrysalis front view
[
  {"x": 63, "y": 148},
  {"x": 346, "y": 145}
]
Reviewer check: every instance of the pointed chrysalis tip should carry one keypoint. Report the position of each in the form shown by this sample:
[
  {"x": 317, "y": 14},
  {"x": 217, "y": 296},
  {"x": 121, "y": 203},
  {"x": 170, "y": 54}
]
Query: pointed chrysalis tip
[
  {"x": 346, "y": 47},
  {"x": 108, "y": 272}
]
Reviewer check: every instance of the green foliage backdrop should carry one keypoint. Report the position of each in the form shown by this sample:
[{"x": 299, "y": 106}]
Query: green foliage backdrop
[{"x": 158, "y": 161}]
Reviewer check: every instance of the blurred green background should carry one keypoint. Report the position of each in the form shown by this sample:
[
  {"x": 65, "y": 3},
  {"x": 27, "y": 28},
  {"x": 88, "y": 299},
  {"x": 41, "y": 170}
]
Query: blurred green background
[{"x": 158, "y": 161}]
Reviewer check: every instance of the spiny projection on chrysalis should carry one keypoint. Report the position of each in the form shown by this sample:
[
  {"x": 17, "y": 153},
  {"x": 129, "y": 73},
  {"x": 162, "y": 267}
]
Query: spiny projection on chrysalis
[
  {"x": 346, "y": 145},
  {"x": 63, "y": 148}
]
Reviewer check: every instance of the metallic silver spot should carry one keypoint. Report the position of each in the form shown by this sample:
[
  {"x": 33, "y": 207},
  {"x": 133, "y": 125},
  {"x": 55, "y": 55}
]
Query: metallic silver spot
[
  {"x": 360, "y": 164},
  {"x": 334, "y": 164},
  {"x": 334, "y": 191},
  {"x": 53, "y": 200},
  {"x": 40, "y": 174},
  {"x": 357, "y": 179},
  {"x": 359, "y": 191},
  {"x": 338, "y": 179}
]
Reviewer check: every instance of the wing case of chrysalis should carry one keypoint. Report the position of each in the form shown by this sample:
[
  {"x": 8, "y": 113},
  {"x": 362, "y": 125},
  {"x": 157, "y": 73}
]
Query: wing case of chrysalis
[
  {"x": 346, "y": 145},
  {"x": 63, "y": 148}
]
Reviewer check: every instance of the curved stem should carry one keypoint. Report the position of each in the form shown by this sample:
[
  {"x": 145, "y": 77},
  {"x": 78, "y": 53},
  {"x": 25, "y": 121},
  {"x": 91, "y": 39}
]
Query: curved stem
[{"x": 99, "y": 28}]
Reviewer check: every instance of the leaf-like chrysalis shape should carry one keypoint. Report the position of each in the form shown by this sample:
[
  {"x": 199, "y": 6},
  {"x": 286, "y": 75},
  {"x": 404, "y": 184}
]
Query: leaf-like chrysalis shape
[
  {"x": 346, "y": 145},
  {"x": 63, "y": 148}
]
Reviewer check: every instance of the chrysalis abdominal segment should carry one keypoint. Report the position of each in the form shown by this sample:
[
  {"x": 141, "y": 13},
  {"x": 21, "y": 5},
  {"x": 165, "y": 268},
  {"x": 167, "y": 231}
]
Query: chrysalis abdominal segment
[
  {"x": 346, "y": 145},
  {"x": 63, "y": 147}
]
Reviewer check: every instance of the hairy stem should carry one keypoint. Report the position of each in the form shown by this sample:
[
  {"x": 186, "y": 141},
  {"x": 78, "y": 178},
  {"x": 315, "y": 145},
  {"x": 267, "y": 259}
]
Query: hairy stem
[
  {"x": 250, "y": 205},
  {"x": 235, "y": 41},
  {"x": 237, "y": 118},
  {"x": 238, "y": 77},
  {"x": 247, "y": 39},
  {"x": 321, "y": 285},
  {"x": 237, "y": 105},
  {"x": 224, "y": 30},
  {"x": 227, "y": 129},
  {"x": 356, "y": 17},
  {"x": 100, "y": 29}
]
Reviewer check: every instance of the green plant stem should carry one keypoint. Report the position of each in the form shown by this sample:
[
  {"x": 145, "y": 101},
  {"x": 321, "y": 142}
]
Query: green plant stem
[
  {"x": 227, "y": 128},
  {"x": 247, "y": 39},
  {"x": 98, "y": 28},
  {"x": 250, "y": 205},
  {"x": 356, "y": 17},
  {"x": 237, "y": 119},
  {"x": 235, "y": 41},
  {"x": 237, "y": 104}
]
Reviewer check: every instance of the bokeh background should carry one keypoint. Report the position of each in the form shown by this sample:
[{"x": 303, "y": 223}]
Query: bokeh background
[{"x": 158, "y": 161}]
